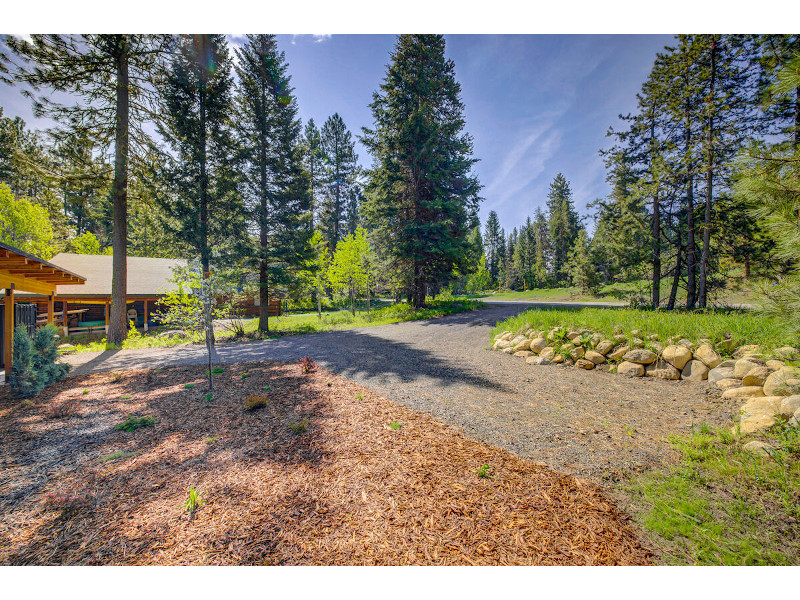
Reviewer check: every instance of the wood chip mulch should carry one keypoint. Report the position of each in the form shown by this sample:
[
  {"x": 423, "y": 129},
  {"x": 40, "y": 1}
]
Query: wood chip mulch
[{"x": 326, "y": 473}]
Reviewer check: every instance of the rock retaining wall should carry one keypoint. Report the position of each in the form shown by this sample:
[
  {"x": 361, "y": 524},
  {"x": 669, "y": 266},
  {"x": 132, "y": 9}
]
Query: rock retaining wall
[{"x": 768, "y": 388}]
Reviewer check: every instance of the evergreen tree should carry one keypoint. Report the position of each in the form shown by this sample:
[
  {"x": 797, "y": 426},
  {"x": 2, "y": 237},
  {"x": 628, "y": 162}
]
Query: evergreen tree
[
  {"x": 494, "y": 240},
  {"x": 422, "y": 195},
  {"x": 580, "y": 265},
  {"x": 339, "y": 176},
  {"x": 200, "y": 193},
  {"x": 112, "y": 74},
  {"x": 314, "y": 162},
  {"x": 541, "y": 240},
  {"x": 276, "y": 186},
  {"x": 563, "y": 225}
]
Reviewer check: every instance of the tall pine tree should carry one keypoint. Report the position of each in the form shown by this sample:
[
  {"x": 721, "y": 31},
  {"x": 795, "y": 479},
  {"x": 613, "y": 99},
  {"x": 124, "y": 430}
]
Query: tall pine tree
[
  {"x": 422, "y": 195},
  {"x": 339, "y": 172},
  {"x": 276, "y": 185},
  {"x": 563, "y": 225}
]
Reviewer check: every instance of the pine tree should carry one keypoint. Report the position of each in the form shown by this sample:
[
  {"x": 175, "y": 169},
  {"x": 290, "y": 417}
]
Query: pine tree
[
  {"x": 563, "y": 225},
  {"x": 580, "y": 266},
  {"x": 201, "y": 196},
  {"x": 276, "y": 186},
  {"x": 494, "y": 240},
  {"x": 314, "y": 162},
  {"x": 422, "y": 195},
  {"x": 112, "y": 74},
  {"x": 339, "y": 174}
]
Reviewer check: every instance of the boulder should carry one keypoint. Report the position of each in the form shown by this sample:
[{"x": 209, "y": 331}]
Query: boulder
[
  {"x": 756, "y": 376},
  {"x": 695, "y": 370},
  {"x": 523, "y": 353},
  {"x": 537, "y": 345},
  {"x": 717, "y": 373},
  {"x": 619, "y": 353},
  {"x": 518, "y": 339},
  {"x": 637, "y": 342},
  {"x": 604, "y": 347},
  {"x": 662, "y": 370},
  {"x": 780, "y": 383},
  {"x": 676, "y": 355},
  {"x": 743, "y": 392},
  {"x": 757, "y": 447},
  {"x": 548, "y": 352},
  {"x": 582, "y": 363},
  {"x": 729, "y": 383},
  {"x": 568, "y": 362},
  {"x": 573, "y": 334},
  {"x": 620, "y": 339},
  {"x": 727, "y": 363},
  {"x": 578, "y": 352},
  {"x": 595, "y": 357},
  {"x": 508, "y": 350},
  {"x": 630, "y": 369},
  {"x": 595, "y": 339},
  {"x": 617, "y": 329},
  {"x": 578, "y": 341},
  {"x": 746, "y": 350},
  {"x": 743, "y": 367},
  {"x": 507, "y": 335},
  {"x": 787, "y": 353},
  {"x": 538, "y": 360},
  {"x": 501, "y": 344},
  {"x": 789, "y": 405},
  {"x": 758, "y": 414},
  {"x": 774, "y": 365},
  {"x": 523, "y": 345},
  {"x": 640, "y": 356},
  {"x": 686, "y": 343},
  {"x": 653, "y": 337},
  {"x": 558, "y": 359},
  {"x": 725, "y": 346},
  {"x": 707, "y": 354},
  {"x": 636, "y": 332}
]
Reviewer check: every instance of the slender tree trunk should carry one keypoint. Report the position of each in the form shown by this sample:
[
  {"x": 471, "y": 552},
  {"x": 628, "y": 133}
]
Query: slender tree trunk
[
  {"x": 704, "y": 257},
  {"x": 676, "y": 276},
  {"x": 747, "y": 267},
  {"x": 263, "y": 274},
  {"x": 656, "y": 252},
  {"x": 797, "y": 117},
  {"x": 117, "y": 325},
  {"x": 205, "y": 251}
]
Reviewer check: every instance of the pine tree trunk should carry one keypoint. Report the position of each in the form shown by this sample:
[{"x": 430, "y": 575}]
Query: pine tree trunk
[
  {"x": 263, "y": 272},
  {"x": 205, "y": 251},
  {"x": 117, "y": 324},
  {"x": 656, "y": 252},
  {"x": 704, "y": 257},
  {"x": 676, "y": 276}
]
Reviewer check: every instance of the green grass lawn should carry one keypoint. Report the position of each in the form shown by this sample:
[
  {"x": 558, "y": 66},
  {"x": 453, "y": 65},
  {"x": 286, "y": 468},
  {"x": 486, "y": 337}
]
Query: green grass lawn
[
  {"x": 722, "y": 505},
  {"x": 293, "y": 324},
  {"x": 745, "y": 327},
  {"x": 734, "y": 294}
]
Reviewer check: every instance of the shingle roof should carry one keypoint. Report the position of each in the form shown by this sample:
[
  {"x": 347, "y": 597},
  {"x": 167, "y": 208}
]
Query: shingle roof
[{"x": 146, "y": 276}]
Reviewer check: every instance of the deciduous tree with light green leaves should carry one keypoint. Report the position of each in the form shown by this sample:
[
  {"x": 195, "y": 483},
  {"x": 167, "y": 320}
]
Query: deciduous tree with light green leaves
[
  {"x": 25, "y": 225},
  {"x": 88, "y": 244},
  {"x": 349, "y": 273}
]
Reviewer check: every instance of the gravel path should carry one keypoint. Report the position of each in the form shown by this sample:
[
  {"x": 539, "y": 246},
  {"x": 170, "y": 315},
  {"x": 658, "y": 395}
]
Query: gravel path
[{"x": 588, "y": 423}]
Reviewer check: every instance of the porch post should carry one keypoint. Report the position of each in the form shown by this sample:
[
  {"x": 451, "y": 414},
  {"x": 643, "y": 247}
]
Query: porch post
[
  {"x": 64, "y": 313},
  {"x": 145, "y": 314},
  {"x": 51, "y": 303},
  {"x": 106, "y": 318},
  {"x": 8, "y": 346}
]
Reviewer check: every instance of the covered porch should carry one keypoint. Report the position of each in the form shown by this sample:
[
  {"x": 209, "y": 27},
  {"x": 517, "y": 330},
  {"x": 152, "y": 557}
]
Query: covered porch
[{"x": 23, "y": 272}]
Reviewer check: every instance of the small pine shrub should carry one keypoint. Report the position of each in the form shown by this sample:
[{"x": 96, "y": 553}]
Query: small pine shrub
[
  {"x": 483, "y": 472},
  {"x": 25, "y": 382},
  {"x": 394, "y": 425},
  {"x": 134, "y": 423},
  {"x": 253, "y": 402}
]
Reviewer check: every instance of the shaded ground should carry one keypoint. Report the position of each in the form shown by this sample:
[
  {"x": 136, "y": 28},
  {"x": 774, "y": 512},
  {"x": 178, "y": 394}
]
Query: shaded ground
[
  {"x": 594, "y": 424},
  {"x": 317, "y": 476}
]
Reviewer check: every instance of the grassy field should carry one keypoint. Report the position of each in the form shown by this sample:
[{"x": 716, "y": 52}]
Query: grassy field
[
  {"x": 292, "y": 324},
  {"x": 722, "y": 505},
  {"x": 745, "y": 327},
  {"x": 735, "y": 294}
]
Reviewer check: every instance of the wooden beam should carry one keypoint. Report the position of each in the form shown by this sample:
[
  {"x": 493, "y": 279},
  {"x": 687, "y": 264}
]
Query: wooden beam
[
  {"x": 25, "y": 284},
  {"x": 106, "y": 314},
  {"x": 66, "y": 317},
  {"x": 145, "y": 315},
  {"x": 51, "y": 306},
  {"x": 8, "y": 345}
]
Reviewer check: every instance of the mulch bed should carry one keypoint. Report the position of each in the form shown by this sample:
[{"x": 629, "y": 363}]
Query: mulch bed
[{"x": 349, "y": 489}]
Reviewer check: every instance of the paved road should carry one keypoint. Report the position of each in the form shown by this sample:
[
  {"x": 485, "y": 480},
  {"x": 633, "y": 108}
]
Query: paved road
[{"x": 592, "y": 423}]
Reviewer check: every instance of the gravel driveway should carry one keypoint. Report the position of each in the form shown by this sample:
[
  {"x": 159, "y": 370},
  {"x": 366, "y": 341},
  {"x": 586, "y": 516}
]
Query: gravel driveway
[{"x": 594, "y": 424}]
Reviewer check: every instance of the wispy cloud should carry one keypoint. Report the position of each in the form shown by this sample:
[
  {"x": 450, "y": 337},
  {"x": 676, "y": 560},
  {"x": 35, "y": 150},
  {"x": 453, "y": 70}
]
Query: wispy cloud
[{"x": 318, "y": 37}]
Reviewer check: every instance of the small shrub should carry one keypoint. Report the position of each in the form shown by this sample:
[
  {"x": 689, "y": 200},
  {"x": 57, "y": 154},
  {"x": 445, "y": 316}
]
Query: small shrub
[
  {"x": 116, "y": 456},
  {"x": 245, "y": 375},
  {"x": 299, "y": 427},
  {"x": 84, "y": 392},
  {"x": 253, "y": 402},
  {"x": 209, "y": 397},
  {"x": 266, "y": 387},
  {"x": 133, "y": 423},
  {"x": 395, "y": 425},
  {"x": 67, "y": 408},
  {"x": 193, "y": 502},
  {"x": 188, "y": 386},
  {"x": 359, "y": 396},
  {"x": 330, "y": 384},
  {"x": 211, "y": 439},
  {"x": 125, "y": 397},
  {"x": 216, "y": 371},
  {"x": 307, "y": 364},
  {"x": 483, "y": 472}
]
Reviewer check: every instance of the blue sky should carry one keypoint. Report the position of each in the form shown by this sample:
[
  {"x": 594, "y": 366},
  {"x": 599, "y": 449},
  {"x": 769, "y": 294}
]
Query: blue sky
[{"x": 536, "y": 105}]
